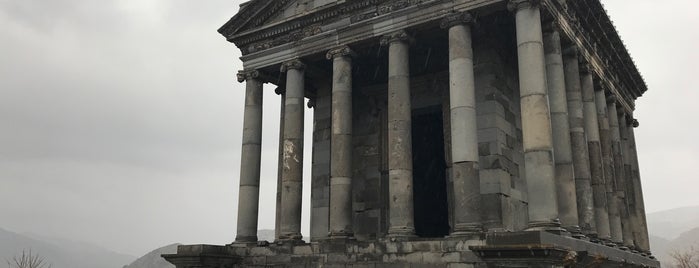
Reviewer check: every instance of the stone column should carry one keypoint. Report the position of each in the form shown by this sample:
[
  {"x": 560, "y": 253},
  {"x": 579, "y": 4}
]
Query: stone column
[
  {"x": 536, "y": 118},
  {"x": 563, "y": 152},
  {"x": 627, "y": 227},
  {"x": 464, "y": 132},
  {"x": 292, "y": 170},
  {"x": 250, "y": 160},
  {"x": 281, "y": 91},
  {"x": 607, "y": 161},
  {"x": 581, "y": 161},
  {"x": 341, "y": 144},
  {"x": 642, "y": 239},
  {"x": 599, "y": 188},
  {"x": 615, "y": 221},
  {"x": 400, "y": 155}
]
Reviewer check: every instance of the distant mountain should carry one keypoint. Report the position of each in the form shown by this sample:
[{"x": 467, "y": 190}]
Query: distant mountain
[
  {"x": 153, "y": 259},
  {"x": 675, "y": 230},
  {"x": 60, "y": 253},
  {"x": 669, "y": 224}
]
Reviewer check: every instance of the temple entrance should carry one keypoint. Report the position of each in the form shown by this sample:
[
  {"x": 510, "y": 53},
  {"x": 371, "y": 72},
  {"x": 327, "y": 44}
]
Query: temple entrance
[{"x": 429, "y": 175}]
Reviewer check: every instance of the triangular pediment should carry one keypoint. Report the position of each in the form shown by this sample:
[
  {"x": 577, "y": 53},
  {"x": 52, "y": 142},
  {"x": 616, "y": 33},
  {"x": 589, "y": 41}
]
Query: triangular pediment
[{"x": 256, "y": 14}]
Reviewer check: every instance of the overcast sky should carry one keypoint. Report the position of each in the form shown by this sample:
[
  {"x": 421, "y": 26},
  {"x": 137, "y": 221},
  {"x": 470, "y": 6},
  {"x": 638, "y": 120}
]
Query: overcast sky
[{"x": 120, "y": 120}]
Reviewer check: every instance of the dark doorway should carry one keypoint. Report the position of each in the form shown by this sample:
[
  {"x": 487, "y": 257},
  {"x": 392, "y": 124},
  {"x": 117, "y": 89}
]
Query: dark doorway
[{"x": 429, "y": 175}]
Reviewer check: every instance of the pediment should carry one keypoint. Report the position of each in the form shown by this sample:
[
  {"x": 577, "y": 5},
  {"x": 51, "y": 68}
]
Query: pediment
[
  {"x": 257, "y": 14},
  {"x": 263, "y": 24}
]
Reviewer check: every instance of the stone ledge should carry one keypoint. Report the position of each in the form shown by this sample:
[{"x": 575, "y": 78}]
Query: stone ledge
[{"x": 517, "y": 248}]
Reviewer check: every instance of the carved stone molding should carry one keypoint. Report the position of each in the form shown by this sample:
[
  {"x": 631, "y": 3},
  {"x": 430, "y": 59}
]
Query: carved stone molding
[
  {"x": 611, "y": 98},
  {"x": 311, "y": 103},
  {"x": 245, "y": 75},
  {"x": 295, "y": 64},
  {"x": 342, "y": 51},
  {"x": 399, "y": 36},
  {"x": 514, "y": 5},
  {"x": 634, "y": 123},
  {"x": 280, "y": 90},
  {"x": 456, "y": 19}
]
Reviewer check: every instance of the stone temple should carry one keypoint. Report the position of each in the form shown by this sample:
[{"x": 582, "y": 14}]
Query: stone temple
[{"x": 447, "y": 133}]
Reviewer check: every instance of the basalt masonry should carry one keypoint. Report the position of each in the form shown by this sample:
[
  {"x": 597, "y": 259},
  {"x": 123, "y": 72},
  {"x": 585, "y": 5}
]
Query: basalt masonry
[{"x": 446, "y": 133}]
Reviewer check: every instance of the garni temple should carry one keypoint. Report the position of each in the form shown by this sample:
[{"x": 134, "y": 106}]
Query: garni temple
[{"x": 447, "y": 133}]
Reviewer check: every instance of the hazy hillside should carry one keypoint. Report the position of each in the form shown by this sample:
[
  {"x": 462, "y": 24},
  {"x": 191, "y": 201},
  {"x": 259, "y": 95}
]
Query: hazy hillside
[
  {"x": 669, "y": 224},
  {"x": 59, "y": 252},
  {"x": 153, "y": 259}
]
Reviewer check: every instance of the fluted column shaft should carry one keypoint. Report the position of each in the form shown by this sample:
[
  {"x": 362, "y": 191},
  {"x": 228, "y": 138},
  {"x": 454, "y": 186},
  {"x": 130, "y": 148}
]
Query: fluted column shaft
[
  {"x": 615, "y": 222},
  {"x": 563, "y": 153},
  {"x": 581, "y": 161},
  {"x": 250, "y": 160},
  {"x": 536, "y": 118},
  {"x": 340, "y": 221},
  {"x": 627, "y": 225},
  {"x": 400, "y": 158},
  {"x": 292, "y": 170},
  {"x": 599, "y": 189},
  {"x": 464, "y": 132}
]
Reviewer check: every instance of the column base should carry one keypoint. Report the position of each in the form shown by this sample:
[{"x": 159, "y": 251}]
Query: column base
[
  {"x": 552, "y": 226},
  {"x": 242, "y": 239},
  {"x": 401, "y": 232},
  {"x": 575, "y": 232},
  {"x": 294, "y": 238},
  {"x": 342, "y": 234},
  {"x": 462, "y": 230}
]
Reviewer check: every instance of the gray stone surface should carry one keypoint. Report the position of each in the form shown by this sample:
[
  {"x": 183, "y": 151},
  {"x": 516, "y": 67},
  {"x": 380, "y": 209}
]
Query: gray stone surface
[
  {"x": 563, "y": 152},
  {"x": 615, "y": 222},
  {"x": 292, "y": 170},
  {"x": 251, "y": 155},
  {"x": 464, "y": 131},
  {"x": 581, "y": 157},
  {"x": 400, "y": 164},
  {"x": 536, "y": 118},
  {"x": 341, "y": 144},
  {"x": 599, "y": 188}
]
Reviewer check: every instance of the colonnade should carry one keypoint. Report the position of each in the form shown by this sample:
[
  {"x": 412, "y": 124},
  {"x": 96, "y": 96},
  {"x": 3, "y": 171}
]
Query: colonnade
[{"x": 579, "y": 152}]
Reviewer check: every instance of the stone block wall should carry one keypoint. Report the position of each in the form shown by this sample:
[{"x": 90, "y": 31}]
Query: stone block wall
[{"x": 320, "y": 169}]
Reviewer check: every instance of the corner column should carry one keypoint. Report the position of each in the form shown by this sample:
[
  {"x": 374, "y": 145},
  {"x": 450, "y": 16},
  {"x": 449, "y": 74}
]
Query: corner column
[
  {"x": 292, "y": 159},
  {"x": 616, "y": 228},
  {"x": 250, "y": 160},
  {"x": 400, "y": 155},
  {"x": 642, "y": 239},
  {"x": 536, "y": 118},
  {"x": 464, "y": 132},
  {"x": 563, "y": 152},
  {"x": 341, "y": 144},
  {"x": 627, "y": 224},
  {"x": 581, "y": 161},
  {"x": 599, "y": 189}
]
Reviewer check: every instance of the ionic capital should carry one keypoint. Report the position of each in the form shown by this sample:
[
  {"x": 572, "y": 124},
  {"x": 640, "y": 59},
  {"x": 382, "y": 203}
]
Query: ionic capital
[
  {"x": 611, "y": 98},
  {"x": 515, "y": 5},
  {"x": 399, "y": 36},
  {"x": 294, "y": 64},
  {"x": 585, "y": 68},
  {"x": 550, "y": 26},
  {"x": 280, "y": 90},
  {"x": 571, "y": 50},
  {"x": 456, "y": 18},
  {"x": 245, "y": 75},
  {"x": 634, "y": 123},
  {"x": 311, "y": 103},
  {"x": 342, "y": 51}
]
